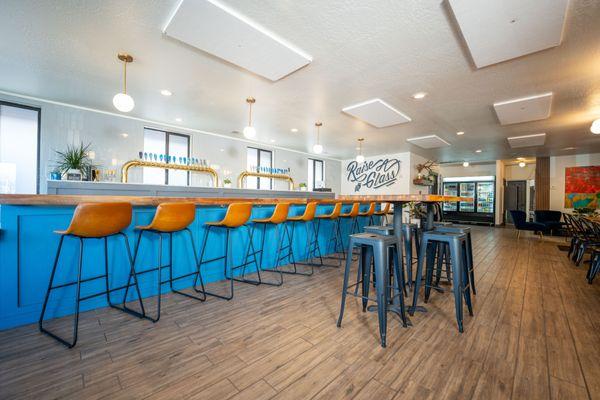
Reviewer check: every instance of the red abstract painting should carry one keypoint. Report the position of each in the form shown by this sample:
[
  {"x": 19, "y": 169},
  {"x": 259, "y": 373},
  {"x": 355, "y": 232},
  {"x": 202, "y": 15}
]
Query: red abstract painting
[{"x": 582, "y": 187}]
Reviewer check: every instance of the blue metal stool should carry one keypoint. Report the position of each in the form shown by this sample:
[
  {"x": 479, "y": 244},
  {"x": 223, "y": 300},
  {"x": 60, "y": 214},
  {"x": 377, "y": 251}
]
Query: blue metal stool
[
  {"x": 385, "y": 230},
  {"x": 375, "y": 248},
  {"x": 460, "y": 281},
  {"x": 469, "y": 248}
]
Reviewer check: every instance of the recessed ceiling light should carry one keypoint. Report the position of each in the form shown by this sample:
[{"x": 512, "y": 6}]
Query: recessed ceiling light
[
  {"x": 166, "y": 92},
  {"x": 294, "y": 130},
  {"x": 272, "y": 140},
  {"x": 460, "y": 133},
  {"x": 124, "y": 134},
  {"x": 419, "y": 95},
  {"x": 466, "y": 164},
  {"x": 522, "y": 164},
  {"x": 569, "y": 148},
  {"x": 520, "y": 158},
  {"x": 222, "y": 150},
  {"x": 478, "y": 151},
  {"x": 178, "y": 119}
]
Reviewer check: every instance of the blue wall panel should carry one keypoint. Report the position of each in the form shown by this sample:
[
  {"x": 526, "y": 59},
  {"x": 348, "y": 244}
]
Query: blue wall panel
[{"x": 28, "y": 246}]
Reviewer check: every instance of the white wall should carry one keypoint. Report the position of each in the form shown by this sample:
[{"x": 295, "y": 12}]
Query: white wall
[
  {"x": 516, "y": 173},
  {"x": 448, "y": 171},
  {"x": 62, "y": 125},
  {"x": 557, "y": 175}
]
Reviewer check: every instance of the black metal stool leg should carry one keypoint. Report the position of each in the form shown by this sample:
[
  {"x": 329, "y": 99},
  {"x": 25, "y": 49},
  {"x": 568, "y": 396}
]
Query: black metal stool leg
[
  {"x": 77, "y": 299},
  {"x": 457, "y": 284},
  {"x": 420, "y": 260}
]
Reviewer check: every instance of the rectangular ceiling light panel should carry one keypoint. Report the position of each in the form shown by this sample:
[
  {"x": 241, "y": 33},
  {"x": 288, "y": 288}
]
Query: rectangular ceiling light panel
[
  {"x": 377, "y": 112},
  {"x": 428, "y": 142},
  {"x": 497, "y": 31},
  {"x": 525, "y": 109},
  {"x": 223, "y": 32},
  {"x": 537, "y": 139}
]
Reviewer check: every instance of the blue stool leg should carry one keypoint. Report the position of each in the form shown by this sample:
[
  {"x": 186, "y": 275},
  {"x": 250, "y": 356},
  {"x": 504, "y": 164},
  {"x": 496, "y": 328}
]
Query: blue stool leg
[
  {"x": 420, "y": 260},
  {"x": 407, "y": 235},
  {"x": 457, "y": 284},
  {"x": 399, "y": 283},
  {"x": 345, "y": 285},
  {"x": 367, "y": 261},
  {"x": 470, "y": 263},
  {"x": 381, "y": 271}
]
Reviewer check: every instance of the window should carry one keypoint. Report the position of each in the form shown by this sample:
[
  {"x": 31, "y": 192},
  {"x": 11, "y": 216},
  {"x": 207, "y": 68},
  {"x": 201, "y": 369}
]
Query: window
[
  {"x": 259, "y": 158},
  {"x": 316, "y": 174},
  {"x": 166, "y": 144},
  {"x": 19, "y": 148}
]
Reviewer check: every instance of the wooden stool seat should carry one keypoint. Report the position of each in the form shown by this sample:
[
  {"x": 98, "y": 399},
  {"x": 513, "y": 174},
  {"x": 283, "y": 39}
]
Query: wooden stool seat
[
  {"x": 96, "y": 220},
  {"x": 237, "y": 215},
  {"x": 171, "y": 217}
]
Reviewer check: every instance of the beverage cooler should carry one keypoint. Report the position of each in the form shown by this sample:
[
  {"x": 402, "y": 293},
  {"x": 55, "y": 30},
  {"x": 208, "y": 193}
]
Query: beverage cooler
[{"x": 481, "y": 209}]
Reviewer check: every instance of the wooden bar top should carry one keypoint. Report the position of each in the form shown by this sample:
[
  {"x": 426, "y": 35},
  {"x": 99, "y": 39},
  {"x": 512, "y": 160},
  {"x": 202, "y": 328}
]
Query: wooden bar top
[
  {"x": 71, "y": 200},
  {"x": 391, "y": 198}
]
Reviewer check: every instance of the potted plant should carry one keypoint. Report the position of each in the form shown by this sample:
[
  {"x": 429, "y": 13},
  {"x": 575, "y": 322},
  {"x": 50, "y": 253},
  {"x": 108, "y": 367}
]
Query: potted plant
[
  {"x": 302, "y": 186},
  {"x": 416, "y": 212},
  {"x": 74, "y": 163},
  {"x": 227, "y": 183}
]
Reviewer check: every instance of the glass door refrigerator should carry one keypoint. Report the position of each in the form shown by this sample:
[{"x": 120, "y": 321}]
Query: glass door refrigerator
[{"x": 479, "y": 210}]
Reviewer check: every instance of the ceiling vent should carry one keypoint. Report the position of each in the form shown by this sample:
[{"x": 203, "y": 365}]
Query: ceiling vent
[
  {"x": 497, "y": 31},
  {"x": 525, "y": 109},
  {"x": 377, "y": 112},
  {"x": 223, "y": 32},
  {"x": 428, "y": 142},
  {"x": 537, "y": 139}
]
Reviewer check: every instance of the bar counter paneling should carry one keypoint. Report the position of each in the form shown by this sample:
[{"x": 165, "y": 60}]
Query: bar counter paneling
[{"x": 28, "y": 246}]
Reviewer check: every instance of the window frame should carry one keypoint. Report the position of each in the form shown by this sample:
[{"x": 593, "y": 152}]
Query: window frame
[
  {"x": 39, "y": 136},
  {"x": 167, "y": 135},
  {"x": 258, "y": 151},
  {"x": 314, "y": 161}
]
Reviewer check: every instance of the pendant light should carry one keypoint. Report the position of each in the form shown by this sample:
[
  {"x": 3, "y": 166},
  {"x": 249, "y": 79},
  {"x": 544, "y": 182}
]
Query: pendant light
[
  {"x": 249, "y": 131},
  {"x": 522, "y": 164},
  {"x": 359, "y": 157},
  {"x": 317, "y": 148},
  {"x": 122, "y": 101}
]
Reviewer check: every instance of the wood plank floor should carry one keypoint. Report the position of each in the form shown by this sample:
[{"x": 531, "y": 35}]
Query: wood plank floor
[{"x": 535, "y": 335}]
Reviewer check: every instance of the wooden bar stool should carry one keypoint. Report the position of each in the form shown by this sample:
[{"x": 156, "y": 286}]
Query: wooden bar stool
[
  {"x": 383, "y": 213},
  {"x": 92, "y": 221},
  {"x": 276, "y": 219},
  {"x": 169, "y": 218},
  {"x": 368, "y": 214},
  {"x": 237, "y": 215},
  {"x": 336, "y": 233},
  {"x": 312, "y": 235}
]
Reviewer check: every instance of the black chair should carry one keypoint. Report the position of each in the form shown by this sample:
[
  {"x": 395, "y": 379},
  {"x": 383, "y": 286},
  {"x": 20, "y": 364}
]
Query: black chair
[
  {"x": 520, "y": 220},
  {"x": 550, "y": 219}
]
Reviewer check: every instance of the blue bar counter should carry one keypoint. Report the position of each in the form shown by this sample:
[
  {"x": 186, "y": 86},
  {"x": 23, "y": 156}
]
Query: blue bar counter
[{"x": 28, "y": 246}]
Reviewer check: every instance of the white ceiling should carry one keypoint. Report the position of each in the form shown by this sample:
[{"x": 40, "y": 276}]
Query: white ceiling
[
  {"x": 501, "y": 30},
  {"x": 66, "y": 51}
]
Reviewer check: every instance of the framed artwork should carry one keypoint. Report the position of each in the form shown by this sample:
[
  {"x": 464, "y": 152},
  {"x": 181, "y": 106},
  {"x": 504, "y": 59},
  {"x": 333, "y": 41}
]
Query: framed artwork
[{"x": 582, "y": 187}]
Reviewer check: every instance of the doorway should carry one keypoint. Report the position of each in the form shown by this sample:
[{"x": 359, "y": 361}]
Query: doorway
[{"x": 515, "y": 198}]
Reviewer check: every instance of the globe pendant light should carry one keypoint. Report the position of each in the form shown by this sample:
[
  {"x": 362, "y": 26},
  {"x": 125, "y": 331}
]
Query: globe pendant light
[
  {"x": 249, "y": 131},
  {"x": 317, "y": 148},
  {"x": 359, "y": 157},
  {"x": 122, "y": 101}
]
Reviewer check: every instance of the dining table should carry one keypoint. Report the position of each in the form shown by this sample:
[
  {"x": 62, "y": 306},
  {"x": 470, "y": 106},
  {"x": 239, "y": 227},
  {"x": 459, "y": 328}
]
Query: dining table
[{"x": 399, "y": 201}]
